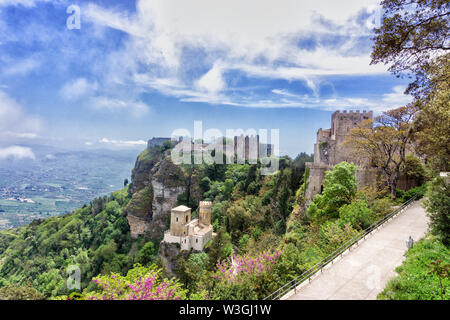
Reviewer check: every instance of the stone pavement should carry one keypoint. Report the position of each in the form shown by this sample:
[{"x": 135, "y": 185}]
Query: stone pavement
[{"x": 364, "y": 271}]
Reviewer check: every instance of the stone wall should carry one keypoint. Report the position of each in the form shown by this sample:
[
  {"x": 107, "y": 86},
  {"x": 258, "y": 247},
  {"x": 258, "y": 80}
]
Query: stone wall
[{"x": 330, "y": 150}]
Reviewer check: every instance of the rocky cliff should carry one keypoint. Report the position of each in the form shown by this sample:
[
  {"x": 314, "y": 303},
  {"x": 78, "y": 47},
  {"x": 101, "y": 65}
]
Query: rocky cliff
[{"x": 156, "y": 183}]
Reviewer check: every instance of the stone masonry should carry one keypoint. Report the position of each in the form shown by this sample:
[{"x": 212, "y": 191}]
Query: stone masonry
[
  {"x": 190, "y": 234},
  {"x": 329, "y": 150}
]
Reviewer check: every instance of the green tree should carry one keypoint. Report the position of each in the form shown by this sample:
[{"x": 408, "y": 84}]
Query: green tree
[
  {"x": 414, "y": 169},
  {"x": 147, "y": 254},
  {"x": 340, "y": 188},
  {"x": 356, "y": 213},
  {"x": 220, "y": 248},
  {"x": 412, "y": 38},
  {"x": 14, "y": 292},
  {"x": 386, "y": 142},
  {"x": 437, "y": 205},
  {"x": 432, "y": 132}
]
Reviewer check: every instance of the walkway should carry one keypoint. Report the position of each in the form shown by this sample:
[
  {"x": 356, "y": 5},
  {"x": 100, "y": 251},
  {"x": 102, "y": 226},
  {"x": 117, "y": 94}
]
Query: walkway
[{"x": 364, "y": 271}]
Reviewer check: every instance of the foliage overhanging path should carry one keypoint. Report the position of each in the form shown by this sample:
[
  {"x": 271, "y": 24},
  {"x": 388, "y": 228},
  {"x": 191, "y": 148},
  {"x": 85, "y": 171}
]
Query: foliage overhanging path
[{"x": 364, "y": 271}]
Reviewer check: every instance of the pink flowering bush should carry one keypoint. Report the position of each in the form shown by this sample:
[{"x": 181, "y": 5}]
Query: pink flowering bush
[
  {"x": 140, "y": 283},
  {"x": 232, "y": 269},
  {"x": 245, "y": 277}
]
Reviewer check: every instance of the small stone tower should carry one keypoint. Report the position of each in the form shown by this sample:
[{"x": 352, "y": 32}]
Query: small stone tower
[
  {"x": 179, "y": 218},
  {"x": 205, "y": 213}
]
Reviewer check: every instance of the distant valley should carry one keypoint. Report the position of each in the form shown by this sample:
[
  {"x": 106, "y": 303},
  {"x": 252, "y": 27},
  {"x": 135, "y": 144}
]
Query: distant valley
[{"x": 58, "y": 181}]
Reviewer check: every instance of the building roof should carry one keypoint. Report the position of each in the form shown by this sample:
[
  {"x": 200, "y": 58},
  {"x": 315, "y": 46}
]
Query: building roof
[{"x": 181, "y": 209}]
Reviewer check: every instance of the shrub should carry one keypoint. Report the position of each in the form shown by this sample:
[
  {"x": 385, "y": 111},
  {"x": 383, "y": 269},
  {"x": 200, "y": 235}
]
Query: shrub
[
  {"x": 381, "y": 207},
  {"x": 404, "y": 196},
  {"x": 332, "y": 235},
  {"x": 414, "y": 280},
  {"x": 140, "y": 283},
  {"x": 357, "y": 214},
  {"x": 340, "y": 188},
  {"x": 438, "y": 208},
  {"x": 27, "y": 292}
]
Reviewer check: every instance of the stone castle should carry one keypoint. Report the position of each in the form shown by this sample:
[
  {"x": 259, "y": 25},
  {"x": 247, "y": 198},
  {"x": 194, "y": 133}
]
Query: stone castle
[
  {"x": 190, "y": 234},
  {"x": 330, "y": 150}
]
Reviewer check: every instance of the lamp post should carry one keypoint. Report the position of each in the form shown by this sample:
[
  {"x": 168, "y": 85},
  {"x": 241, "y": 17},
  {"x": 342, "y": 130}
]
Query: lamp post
[{"x": 410, "y": 242}]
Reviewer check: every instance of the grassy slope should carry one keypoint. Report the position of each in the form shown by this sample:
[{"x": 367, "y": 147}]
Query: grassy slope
[{"x": 413, "y": 281}]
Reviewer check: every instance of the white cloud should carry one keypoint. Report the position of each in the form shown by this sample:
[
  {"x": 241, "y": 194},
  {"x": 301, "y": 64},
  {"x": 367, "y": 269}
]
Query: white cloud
[
  {"x": 254, "y": 37},
  {"x": 26, "y": 3},
  {"x": 135, "y": 108},
  {"x": 21, "y": 135},
  {"x": 212, "y": 81},
  {"x": 385, "y": 102},
  {"x": 14, "y": 121},
  {"x": 123, "y": 143},
  {"x": 21, "y": 67},
  {"x": 78, "y": 88},
  {"x": 16, "y": 152},
  {"x": 397, "y": 97}
]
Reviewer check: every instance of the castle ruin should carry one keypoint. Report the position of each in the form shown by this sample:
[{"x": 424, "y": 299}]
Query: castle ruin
[{"x": 329, "y": 150}]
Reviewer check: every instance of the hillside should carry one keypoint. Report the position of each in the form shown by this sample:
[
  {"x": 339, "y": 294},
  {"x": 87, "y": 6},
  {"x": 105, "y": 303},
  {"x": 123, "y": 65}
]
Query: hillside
[
  {"x": 97, "y": 237},
  {"x": 260, "y": 221}
]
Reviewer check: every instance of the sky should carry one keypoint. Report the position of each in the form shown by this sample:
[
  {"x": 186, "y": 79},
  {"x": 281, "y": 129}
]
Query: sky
[{"x": 113, "y": 74}]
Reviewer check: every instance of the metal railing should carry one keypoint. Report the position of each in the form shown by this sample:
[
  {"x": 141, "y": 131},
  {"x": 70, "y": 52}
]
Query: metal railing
[{"x": 307, "y": 275}]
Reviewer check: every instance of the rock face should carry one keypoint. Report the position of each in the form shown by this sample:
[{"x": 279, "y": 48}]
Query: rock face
[
  {"x": 156, "y": 184},
  {"x": 168, "y": 254}
]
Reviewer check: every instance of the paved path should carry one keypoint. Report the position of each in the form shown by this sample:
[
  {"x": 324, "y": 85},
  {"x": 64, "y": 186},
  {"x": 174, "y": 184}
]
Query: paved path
[{"x": 364, "y": 271}]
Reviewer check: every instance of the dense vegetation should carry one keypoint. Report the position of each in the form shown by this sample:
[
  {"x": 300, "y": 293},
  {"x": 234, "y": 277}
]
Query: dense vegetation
[
  {"x": 266, "y": 236},
  {"x": 416, "y": 281},
  {"x": 95, "y": 238},
  {"x": 266, "y": 232}
]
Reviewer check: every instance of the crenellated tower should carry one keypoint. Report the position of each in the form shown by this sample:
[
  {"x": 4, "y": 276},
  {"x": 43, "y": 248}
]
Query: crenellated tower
[{"x": 205, "y": 213}]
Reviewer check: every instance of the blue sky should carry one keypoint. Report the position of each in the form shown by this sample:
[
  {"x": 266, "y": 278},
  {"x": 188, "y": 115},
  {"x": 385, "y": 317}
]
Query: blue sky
[{"x": 138, "y": 69}]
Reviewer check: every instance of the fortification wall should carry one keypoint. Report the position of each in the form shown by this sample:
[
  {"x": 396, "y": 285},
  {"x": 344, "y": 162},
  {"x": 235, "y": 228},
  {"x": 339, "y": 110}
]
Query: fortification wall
[{"x": 329, "y": 150}]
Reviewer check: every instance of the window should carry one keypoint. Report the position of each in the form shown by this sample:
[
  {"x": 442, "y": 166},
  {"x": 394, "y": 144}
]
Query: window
[
  {"x": 187, "y": 219},
  {"x": 196, "y": 240},
  {"x": 177, "y": 219}
]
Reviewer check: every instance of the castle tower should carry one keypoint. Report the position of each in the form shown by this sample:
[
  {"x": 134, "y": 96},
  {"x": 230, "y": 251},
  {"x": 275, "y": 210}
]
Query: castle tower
[
  {"x": 205, "y": 213},
  {"x": 330, "y": 149},
  {"x": 179, "y": 217},
  {"x": 341, "y": 124}
]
